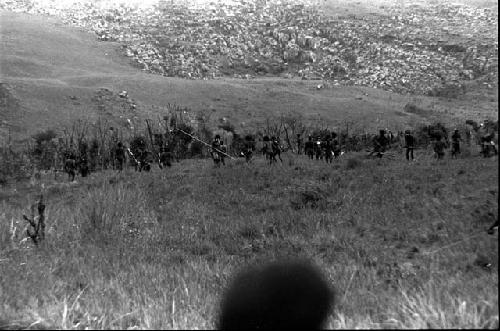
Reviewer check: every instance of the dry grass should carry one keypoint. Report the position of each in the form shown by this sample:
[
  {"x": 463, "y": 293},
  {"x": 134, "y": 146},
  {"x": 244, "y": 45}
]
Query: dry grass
[{"x": 398, "y": 240}]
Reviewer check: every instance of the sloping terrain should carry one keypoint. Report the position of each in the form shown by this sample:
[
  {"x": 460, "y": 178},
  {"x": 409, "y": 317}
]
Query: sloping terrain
[
  {"x": 51, "y": 73},
  {"x": 405, "y": 244}
]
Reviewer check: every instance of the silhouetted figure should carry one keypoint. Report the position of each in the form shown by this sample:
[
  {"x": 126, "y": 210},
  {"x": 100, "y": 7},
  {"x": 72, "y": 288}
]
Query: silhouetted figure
[
  {"x": 143, "y": 158},
  {"x": 299, "y": 144},
  {"x": 328, "y": 150},
  {"x": 223, "y": 152},
  {"x": 248, "y": 148},
  {"x": 70, "y": 165},
  {"x": 486, "y": 136},
  {"x": 455, "y": 143},
  {"x": 409, "y": 144},
  {"x": 274, "y": 151},
  {"x": 390, "y": 137},
  {"x": 336, "y": 148},
  {"x": 380, "y": 143},
  {"x": 165, "y": 158},
  {"x": 119, "y": 156},
  {"x": 83, "y": 160},
  {"x": 217, "y": 156},
  {"x": 309, "y": 148},
  {"x": 266, "y": 147},
  {"x": 280, "y": 295},
  {"x": 439, "y": 147},
  {"x": 318, "y": 151}
]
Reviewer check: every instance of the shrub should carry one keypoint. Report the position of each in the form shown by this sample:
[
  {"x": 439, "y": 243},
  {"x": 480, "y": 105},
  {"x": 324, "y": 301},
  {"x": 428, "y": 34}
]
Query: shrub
[
  {"x": 451, "y": 91},
  {"x": 45, "y": 148},
  {"x": 196, "y": 148},
  {"x": 309, "y": 198},
  {"x": 414, "y": 109},
  {"x": 353, "y": 163},
  {"x": 13, "y": 166}
]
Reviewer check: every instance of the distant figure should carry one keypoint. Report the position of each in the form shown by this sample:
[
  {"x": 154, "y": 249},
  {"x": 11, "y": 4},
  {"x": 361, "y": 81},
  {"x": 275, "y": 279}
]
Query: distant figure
[
  {"x": 119, "y": 156},
  {"x": 439, "y": 147},
  {"x": 380, "y": 143},
  {"x": 83, "y": 165},
  {"x": 265, "y": 147},
  {"x": 275, "y": 151},
  {"x": 309, "y": 148},
  {"x": 165, "y": 158},
  {"x": 336, "y": 148},
  {"x": 223, "y": 151},
  {"x": 217, "y": 146},
  {"x": 409, "y": 144},
  {"x": 83, "y": 160},
  {"x": 93, "y": 155},
  {"x": 468, "y": 137},
  {"x": 486, "y": 137},
  {"x": 143, "y": 158},
  {"x": 455, "y": 143},
  {"x": 299, "y": 144},
  {"x": 390, "y": 137},
  {"x": 70, "y": 166},
  {"x": 281, "y": 295},
  {"x": 317, "y": 149},
  {"x": 248, "y": 148},
  {"x": 328, "y": 150}
]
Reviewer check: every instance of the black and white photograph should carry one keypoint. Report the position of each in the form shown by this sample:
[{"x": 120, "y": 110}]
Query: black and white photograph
[{"x": 248, "y": 164}]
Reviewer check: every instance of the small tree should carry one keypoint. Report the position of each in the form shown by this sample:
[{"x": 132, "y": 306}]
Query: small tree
[{"x": 44, "y": 149}]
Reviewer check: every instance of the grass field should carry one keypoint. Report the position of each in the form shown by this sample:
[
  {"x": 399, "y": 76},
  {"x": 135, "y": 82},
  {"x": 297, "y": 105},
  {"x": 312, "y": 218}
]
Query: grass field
[{"x": 402, "y": 243}]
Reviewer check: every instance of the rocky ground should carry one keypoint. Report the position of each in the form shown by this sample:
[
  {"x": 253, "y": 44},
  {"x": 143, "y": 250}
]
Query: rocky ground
[{"x": 430, "y": 48}]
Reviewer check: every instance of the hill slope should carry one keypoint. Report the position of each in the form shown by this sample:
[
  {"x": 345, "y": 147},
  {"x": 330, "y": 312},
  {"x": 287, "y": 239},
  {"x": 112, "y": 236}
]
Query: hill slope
[{"x": 50, "y": 74}]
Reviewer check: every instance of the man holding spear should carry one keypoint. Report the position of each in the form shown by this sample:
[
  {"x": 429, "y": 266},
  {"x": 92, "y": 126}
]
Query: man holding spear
[
  {"x": 218, "y": 149},
  {"x": 217, "y": 156}
]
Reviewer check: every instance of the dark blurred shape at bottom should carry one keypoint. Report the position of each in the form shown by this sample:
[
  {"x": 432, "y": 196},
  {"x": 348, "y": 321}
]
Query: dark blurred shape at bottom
[{"x": 291, "y": 294}]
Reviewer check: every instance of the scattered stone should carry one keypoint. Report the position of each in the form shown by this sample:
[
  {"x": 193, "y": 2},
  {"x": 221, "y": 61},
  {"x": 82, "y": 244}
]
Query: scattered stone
[{"x": 428, "y": 50}]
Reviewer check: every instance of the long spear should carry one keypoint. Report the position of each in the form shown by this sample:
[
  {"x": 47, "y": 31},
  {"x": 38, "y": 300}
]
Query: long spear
[
  {"x": 133, "y": 156},
  {"x": 201, "y": 141}
]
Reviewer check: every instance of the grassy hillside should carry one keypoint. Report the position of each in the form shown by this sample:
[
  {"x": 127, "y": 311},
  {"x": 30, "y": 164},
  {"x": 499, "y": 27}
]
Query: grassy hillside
[
  {"x": 403, "y": 243},
  {"x": 50, "y": 74}
]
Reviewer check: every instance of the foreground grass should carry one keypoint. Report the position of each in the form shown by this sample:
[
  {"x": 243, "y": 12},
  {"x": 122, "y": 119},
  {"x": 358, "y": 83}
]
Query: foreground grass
[{"x": 399, "y": 241}]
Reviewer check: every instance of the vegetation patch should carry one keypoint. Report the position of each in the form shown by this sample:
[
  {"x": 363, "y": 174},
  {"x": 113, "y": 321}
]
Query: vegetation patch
[{"x": 313, "y": 198}]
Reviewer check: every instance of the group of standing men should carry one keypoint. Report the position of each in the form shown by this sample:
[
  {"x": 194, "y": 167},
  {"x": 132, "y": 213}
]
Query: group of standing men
[
  {"x": 320, "y": 148},
  {"x": 441, "y": 142},
  {"x": 327, "y": 148},
  {"x": 83, "y": 161}
]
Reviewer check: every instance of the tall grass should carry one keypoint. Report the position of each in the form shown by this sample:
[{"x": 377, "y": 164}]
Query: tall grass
[{"x": 155, "y": 250}]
